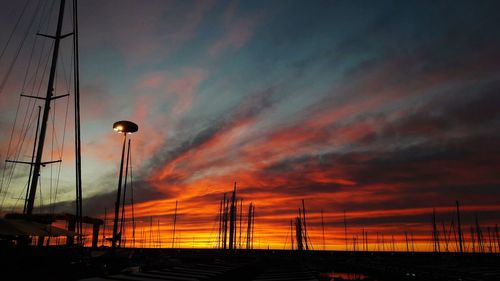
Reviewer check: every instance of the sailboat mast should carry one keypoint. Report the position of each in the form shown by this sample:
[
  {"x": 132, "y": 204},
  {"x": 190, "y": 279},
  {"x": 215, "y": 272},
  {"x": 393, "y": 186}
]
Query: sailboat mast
[
  {"x": 219, "y": 240},
  {"x": 345, "y": 231},
  {"x": 241, "y": 218},
  {"x": 175, "y": 221},
  {"x": 435, "y": 233},
  {"x": 406, "y": 238},
  {"x": 459, "y": 228},
  {"x": 497, "y": 237},
  {"x": 224, "y": 237},
  {"x": 446, "y": 238},
  {"x": 305, "y": 225},
  {"x": 78, "y": 154},
  {"x": 232, "y": 220},
  {"x": 104, "y": 226},
  {"x": 249, "y": 225},
  {"x": 323, "y": 229},
  {"x": 46, "y": 108}
]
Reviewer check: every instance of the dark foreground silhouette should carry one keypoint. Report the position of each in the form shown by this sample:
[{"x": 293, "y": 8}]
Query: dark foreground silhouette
[{"x": 62, "y": 263}]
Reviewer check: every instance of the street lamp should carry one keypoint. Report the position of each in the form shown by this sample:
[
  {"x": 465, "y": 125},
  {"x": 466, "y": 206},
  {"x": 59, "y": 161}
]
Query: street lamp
[{"x": 125, "y": 128}]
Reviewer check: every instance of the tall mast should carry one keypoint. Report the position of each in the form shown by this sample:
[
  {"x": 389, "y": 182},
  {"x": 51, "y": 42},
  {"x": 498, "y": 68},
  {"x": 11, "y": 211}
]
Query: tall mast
[
  {"x": 435, "y": 233},
  {"x": 406, "y": 238},
  {"x": 175, "y": 220},
  {"x": 412, "y": 243},
  {"x": 151, "y": 232},
  {"x": 224, "y": 237},
  {"x": 479, "y": 234},
  {"x": 249, "y": 224},
  {"x": 345, "y": 232},
  {"x": 159, "y": 234},
  {"x": 497, "y": 236},
  {"x": 78, "y": 154},
  {"x": 232, "y": 220},
  {"x": 490, "y": 243},
  {"x": 305, "y": 226},
  {"x": 253, "y": 224},
  {"x": 472, "y": 239},
  {"x": 241, "y": 218},
  {"x": 323, "y": 228},
  {"x": 219, "y": 240},
  {"x": 298, "y": 231},
  {"x": 446, "y": 238},
  {"x": 363, "y": 239},
  {"x": 46, "y": 108},
  {"x": 366, "y": 240},
  {"x": 459, "y": 229},
  {"x": 104, "y": 227}
]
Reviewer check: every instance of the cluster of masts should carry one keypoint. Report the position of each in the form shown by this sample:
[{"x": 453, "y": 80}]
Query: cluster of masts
[
  {"x": 479, "y": 242},
  {"x": 230, "y": 236},
  {"x": 301, "y": 237},
  {"x": 444, "y": 238}
]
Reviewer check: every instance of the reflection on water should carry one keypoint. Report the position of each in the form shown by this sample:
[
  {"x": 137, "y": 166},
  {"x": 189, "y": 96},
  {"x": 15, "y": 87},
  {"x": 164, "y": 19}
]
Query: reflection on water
[{"x": 339, "y": 276}]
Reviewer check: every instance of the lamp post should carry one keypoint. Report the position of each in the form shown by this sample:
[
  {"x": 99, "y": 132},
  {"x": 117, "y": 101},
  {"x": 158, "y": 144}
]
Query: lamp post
[{"x": 122, "y": 127}]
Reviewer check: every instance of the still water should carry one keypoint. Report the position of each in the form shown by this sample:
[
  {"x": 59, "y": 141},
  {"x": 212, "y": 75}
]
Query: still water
[{"x": 339, "y": 276}]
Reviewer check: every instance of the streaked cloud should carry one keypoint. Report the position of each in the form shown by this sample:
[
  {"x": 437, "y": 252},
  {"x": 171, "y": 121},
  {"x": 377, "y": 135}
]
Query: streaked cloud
[{"x": 384, "y": 110}]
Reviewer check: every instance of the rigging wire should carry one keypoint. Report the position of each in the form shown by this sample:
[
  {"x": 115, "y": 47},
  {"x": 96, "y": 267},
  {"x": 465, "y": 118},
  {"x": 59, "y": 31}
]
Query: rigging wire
[
  {"x": 53, "y": 138},
  {"x": 28, "y": 115},
  {"x": 2, "y": 191},
  {"x": 14, "y": 29},
  {"x": 68, "y": 79},
  {"x": 18, "y": 154},
  {"x": 30, "y": 59},
  {"x": 40, "y": 190},
  {"x": 20, "y": 142},
  {"x": 12, "y": 63},
  {"x": 60, "y": 155},
  {"x": 7, "y": 156},
  {"x": 12, "y": 209},
  {"x": 32, "y": 158},
  {"x": 32, "y": 106}
]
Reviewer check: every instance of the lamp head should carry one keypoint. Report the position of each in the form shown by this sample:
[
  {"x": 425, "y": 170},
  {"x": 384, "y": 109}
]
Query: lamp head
[{"x": 126, "y": 127}]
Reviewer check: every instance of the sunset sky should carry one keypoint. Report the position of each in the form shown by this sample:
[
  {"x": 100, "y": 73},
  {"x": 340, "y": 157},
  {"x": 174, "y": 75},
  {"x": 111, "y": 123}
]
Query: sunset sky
[{"x": 384, "y": 109}]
